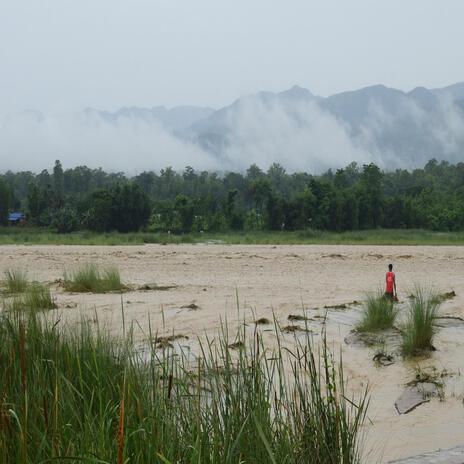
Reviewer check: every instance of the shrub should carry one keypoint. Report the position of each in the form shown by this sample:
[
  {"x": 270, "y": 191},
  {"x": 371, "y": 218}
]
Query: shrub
[
  {"x": 379, "y": 313},
  {"x": 65, "y": 220}
]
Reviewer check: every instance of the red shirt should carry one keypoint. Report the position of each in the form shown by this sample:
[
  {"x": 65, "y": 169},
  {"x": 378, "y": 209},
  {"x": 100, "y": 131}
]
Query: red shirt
[{"x": 390, "y": 279}]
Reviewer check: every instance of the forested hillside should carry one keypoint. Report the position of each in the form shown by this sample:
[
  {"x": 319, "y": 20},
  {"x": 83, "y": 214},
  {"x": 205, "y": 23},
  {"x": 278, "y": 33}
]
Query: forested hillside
[{"x": 356, "y": 197}]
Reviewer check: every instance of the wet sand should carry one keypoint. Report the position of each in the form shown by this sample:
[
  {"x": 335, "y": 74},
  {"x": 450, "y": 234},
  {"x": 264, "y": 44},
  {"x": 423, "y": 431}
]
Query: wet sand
[{"x": 248, "y": 282}]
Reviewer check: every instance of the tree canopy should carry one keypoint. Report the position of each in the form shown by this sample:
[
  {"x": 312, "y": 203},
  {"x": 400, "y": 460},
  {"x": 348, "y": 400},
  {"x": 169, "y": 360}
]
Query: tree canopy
[{"x": 355, "y": 197}]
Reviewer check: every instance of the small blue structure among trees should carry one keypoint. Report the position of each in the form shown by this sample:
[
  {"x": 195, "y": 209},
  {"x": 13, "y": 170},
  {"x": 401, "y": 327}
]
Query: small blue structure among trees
[{"x": 16, "y": 218}]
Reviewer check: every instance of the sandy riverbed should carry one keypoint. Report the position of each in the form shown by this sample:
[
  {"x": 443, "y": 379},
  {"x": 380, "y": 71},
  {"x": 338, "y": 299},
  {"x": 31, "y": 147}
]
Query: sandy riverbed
[{"x": 283, "y": 279}]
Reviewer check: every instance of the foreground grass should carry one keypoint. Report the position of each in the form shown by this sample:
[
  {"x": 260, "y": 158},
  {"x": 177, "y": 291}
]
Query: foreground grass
[
  {"x": 378, "y": 313},
  {"x": 12, "y": 235},
  {"x": 79, "y": 396},
  {"x": 90, "y": 278},
  {"x": 419, "y": 329}
]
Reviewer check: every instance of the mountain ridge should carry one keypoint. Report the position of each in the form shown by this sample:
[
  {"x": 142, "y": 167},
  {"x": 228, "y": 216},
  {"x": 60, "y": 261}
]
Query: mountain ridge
[
  {"x": 410, "y": 126},
  {"x": 294, "y": 127},
  {"x": 296, "y": 92}
]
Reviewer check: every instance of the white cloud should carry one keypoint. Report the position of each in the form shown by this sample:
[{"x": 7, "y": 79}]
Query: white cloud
[
  {"x": 300, "y": 137},
  {"x": 30, "y": 141}
]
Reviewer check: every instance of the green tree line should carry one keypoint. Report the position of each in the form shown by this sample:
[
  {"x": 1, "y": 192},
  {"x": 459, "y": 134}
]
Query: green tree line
[{"x": 353, "y": 198}]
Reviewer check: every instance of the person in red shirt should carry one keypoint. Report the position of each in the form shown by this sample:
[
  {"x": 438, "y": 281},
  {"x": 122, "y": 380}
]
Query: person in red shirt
[{"x": 390, "y": 289}]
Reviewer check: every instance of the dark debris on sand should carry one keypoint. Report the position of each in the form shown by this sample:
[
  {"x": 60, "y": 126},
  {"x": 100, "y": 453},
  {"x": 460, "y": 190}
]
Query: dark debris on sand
[
  {"x": 262, "y": 321},
  {"x": 165, "y": 342},
  {"x": 298, "y": 317},
  {"x": 383, "y": 359},
  {"x": 191, "y": 307},
  {"x": 236, "y": 345},
  {"x": 293, "y": 328},
  {"x": 155, "y": 287}
]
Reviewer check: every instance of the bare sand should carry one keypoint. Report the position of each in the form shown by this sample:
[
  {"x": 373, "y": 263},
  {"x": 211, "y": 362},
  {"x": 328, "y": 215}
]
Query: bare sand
[{"x": 240, "y": 283}]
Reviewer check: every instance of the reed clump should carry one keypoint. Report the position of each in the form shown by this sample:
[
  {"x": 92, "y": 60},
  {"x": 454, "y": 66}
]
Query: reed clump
[
  {"x": 378, "y": 313},
  {"x": 16, "y": 280},
  {"x": 91, "y": 278},
  {"x": 39, "y": 297},
  {"x": 419, "y": 330},
  {"x": 75, "y": 394},
  {"x": 14, "y": 303}
]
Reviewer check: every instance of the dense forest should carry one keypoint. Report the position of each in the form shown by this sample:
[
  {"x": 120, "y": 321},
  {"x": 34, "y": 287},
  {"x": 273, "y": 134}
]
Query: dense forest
[{"x": 356, "y": 197}]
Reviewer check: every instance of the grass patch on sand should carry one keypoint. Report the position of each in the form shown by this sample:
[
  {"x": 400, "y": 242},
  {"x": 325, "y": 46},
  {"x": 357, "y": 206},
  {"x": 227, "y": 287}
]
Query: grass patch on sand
[
  {"x": 378, "y": 313},
  {"x": 16, "y": 280},
  {"x": 72, "y": 393},
  {"x": 90, "y": 278},
  {"x": 37, "y": 297},
  {"x": 419, "y": 330}
]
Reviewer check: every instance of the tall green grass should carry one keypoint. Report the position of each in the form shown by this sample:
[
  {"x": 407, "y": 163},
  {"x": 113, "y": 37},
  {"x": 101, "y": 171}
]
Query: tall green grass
[
  {"x": 76, "y": 395},
  {"x": 379, "y": 313},
  {"x": 16, "y": 280},
  {"x": 11, "y": 235},
  {"x": 90, "y": 278},
  {"x": 37, "y": 297},
  {"x": 419, "y": 329},
  {"x": 14, "y": 304}
]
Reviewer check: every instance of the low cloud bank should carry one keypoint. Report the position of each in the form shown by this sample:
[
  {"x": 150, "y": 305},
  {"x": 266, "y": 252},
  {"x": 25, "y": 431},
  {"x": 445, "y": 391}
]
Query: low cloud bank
[
  {"x": 31, "y": 141},
  {"x": 301, "y": 138},
  {"x": 298, "y": 135}
]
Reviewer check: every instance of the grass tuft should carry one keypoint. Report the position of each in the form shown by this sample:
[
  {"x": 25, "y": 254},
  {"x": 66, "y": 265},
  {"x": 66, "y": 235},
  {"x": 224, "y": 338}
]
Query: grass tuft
[
  {"x": 38, "y": 297},
  {"x": 16, "y": 280},
  {"x": 419, "y": 329},
  {"x": 90, "y": 278},
  {"x": 15, "y": 304},
  {"x": 111, "y": 279},
  {"x": 378, "y": 314}
]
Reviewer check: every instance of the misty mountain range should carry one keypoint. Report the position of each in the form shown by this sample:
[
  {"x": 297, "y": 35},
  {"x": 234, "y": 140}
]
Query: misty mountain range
[
  {"x": 296, "y": 128},
  {"x": 412, "y": 126}
]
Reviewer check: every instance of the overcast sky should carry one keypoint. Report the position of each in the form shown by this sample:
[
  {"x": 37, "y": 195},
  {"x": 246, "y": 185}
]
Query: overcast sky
[{"x": 70, "y": 54}]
